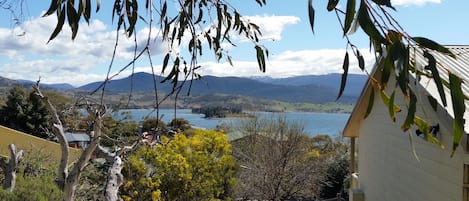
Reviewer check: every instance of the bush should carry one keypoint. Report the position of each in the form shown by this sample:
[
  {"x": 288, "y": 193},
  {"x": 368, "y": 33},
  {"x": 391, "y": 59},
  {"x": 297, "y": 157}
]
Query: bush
[
  {"x": 199, "y": 167},
  {"x": 34, "y": 180}
]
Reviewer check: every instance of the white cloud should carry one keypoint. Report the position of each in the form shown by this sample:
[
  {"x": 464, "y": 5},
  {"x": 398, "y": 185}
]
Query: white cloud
[
  {"x": 413, "y": 2},
  {"x": 290, "y": 63},
  {"x": 28, "y": 55},
  {"x": 85, "y": 59},
  {"x": 272, "y": 26}
]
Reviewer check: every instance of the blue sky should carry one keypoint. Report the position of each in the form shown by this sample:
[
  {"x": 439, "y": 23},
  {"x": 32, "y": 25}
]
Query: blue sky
[{"x": 287, "y": 34}]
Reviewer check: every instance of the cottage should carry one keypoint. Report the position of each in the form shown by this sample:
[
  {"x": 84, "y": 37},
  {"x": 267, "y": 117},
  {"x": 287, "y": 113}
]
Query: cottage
[
  {"x": 389, "y": 164},
  {"x": 77, "y": 140}
]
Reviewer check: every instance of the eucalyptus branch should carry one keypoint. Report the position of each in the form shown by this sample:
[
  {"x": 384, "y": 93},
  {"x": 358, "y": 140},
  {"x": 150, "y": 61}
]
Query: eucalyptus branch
[{"x": 372, "y": 14}]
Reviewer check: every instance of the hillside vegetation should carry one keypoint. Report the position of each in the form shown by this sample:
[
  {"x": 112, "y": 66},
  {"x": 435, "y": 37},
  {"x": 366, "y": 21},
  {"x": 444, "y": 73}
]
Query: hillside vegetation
[{"x": 309, "y": 93}]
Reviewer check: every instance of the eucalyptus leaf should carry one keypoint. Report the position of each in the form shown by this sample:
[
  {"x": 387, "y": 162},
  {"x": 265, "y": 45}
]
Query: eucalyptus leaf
[
  {"x": 60, "y": 24},
  {"x": 343, "y": 82},
  {"x": 367, "y": 25},
  {"x": 457, "y": 97},
  {"x": 54, "y": 5},
  {"x": 436, "y": 75},
  {"x": 430, "y": 44},
  {"x": 409, "y": 120},
  {"x": 260, "y": 58},
  {"x": 371, "y": 101},
  {"x": 392, "y": 113},
  {"x": 73, "y": 19},
  {"x": 349, "y": 15},
  {"x": 384, "y": 3},
  {"x": 311, "y": 14},
  {"x": 332, "y": 4}
]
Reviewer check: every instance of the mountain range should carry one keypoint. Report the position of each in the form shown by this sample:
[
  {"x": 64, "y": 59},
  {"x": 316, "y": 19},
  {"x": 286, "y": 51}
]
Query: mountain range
[{"x": 307, "y": 89}]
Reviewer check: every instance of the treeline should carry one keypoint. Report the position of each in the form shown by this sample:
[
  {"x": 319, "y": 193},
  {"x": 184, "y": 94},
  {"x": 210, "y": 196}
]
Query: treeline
[{"x": 218, "y": 111}]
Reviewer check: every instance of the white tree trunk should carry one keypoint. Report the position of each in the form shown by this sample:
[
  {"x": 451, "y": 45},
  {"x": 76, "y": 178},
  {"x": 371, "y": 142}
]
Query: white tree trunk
[
  {"x": 11, "y": 167},
  {"x": 59, "y": 133},
  {"x": 114, "y": 181},
  {"x": 74, "y": 176},
  {"x": 68, "y": 182}
]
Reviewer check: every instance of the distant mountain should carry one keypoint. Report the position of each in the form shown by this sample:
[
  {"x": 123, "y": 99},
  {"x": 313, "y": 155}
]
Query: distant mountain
[
  {"x": 61, "y": 86},
  {"x": 6, "y": 82},
  {"x": 295, "y": 91},
  {"x": 137, "y": 82},
  {"x": 354, "y": 86}
]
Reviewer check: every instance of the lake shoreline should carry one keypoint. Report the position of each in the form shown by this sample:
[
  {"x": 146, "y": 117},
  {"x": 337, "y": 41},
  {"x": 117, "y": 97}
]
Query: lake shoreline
[{"x": 314, "y": 123}]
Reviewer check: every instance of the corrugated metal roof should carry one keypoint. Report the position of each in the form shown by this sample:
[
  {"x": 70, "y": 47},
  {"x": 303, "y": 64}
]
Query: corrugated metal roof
[
  {"x": 77, "y": 137},
  {"x": 458, "y": 66}
]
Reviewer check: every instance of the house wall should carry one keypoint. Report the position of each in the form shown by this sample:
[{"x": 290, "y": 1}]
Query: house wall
[{"x": 388, "y": 168}]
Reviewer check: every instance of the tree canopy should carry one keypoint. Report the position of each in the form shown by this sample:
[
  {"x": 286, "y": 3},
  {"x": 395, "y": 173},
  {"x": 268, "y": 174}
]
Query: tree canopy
[{"x": 26, "y": 112}]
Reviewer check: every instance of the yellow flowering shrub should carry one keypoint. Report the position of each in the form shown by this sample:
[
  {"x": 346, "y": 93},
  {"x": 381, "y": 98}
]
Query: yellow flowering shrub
[{"x": 198, "y": 167}]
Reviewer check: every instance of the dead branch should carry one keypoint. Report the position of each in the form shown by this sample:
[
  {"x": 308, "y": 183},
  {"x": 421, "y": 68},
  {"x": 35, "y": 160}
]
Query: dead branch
[{"x": 10, "y": 168}]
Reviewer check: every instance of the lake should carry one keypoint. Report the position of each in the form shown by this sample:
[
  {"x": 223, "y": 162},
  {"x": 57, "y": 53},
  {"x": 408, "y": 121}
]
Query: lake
[{"x": 314, "y": 123}]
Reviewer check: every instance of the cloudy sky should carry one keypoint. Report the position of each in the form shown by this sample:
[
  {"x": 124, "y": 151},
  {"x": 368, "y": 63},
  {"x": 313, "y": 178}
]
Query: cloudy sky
[{"x": 294, "y": 50}]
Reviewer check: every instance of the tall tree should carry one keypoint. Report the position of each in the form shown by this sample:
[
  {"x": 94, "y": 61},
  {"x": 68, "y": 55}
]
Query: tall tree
[
  {"x": 27, "y": 113},
  {"x": 39, "y": 117},
  {"x": 14, "y": 113}
]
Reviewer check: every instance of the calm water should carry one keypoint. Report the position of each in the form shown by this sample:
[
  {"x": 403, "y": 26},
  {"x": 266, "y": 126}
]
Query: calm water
[{"x": 314, "y": 123}]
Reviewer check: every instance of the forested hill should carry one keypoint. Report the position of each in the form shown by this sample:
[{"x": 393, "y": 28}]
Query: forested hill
[
  {"x": 6, "y": 82},
  {"x": 313, "y": 89}
]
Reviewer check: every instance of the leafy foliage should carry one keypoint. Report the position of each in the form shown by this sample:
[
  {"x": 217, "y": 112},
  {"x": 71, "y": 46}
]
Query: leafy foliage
[
  {"x": 199, "y": 167},
  {"x": 120, "y": 132},
  {"x": 396, "y": 51},
  {"x": 92, "y": 182},
  {"x": 35, "y": 179},
  {"x": 153, "y": 124},
  {"x": 179, "y": 124},
  {"x": 217, "y": 111}
]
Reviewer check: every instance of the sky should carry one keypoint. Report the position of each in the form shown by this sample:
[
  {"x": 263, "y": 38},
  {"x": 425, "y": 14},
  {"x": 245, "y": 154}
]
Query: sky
[{"x": 294, "y": 49}]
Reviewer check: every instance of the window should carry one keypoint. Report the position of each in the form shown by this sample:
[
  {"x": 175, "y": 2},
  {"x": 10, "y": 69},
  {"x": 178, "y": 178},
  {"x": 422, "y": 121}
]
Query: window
[{"x": 466, "y": 183}]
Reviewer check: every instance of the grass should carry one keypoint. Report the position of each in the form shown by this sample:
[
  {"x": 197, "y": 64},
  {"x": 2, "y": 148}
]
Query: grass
[{"x": 28, "y": 142}]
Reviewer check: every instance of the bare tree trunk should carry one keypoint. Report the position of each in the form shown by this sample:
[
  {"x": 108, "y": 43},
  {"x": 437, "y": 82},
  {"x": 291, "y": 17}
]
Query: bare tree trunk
[
  {"x": 115, "y": 179},
  {"x": 11, "y": 167},
  {"x": 68, "y": 182},
  {"x": 63, "y": 170},
  {"x": 59, "y": 133},
  {"x": 73, "y": 177}
]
